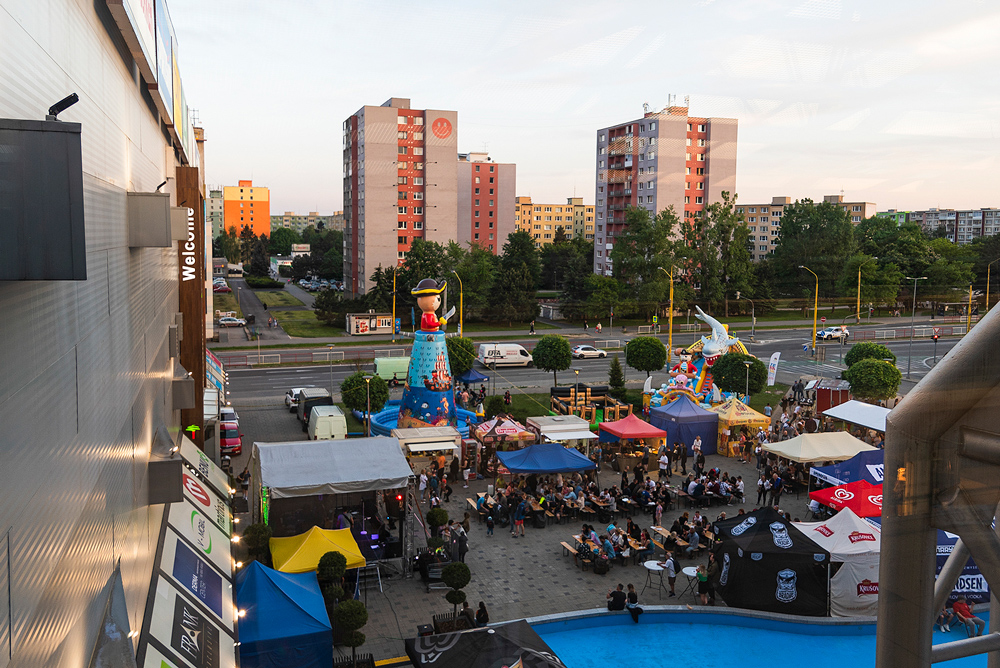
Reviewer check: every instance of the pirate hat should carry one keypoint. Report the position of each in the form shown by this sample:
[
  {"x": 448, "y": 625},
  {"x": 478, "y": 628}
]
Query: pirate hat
[{"x": 428, "y": 286}]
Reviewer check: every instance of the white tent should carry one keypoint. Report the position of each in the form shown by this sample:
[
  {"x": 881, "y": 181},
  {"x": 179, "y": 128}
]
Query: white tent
[
  {"x": 856, "y": 545},
  {"x": 860, "y": 413},
  {"x": 307, "y": 468},
  {"x": 830, "y": 446}
]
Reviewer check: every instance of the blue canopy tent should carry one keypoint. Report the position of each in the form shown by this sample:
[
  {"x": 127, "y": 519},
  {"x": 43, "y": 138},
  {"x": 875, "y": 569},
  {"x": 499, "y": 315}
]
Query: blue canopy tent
[
  {"x": 862, "y": 466},
  {"x": 545, "y": 458},
  {"x": 683, "y": 419},
  {"x": 286, "y": 623},
  {"x": 472, "y": 376}
]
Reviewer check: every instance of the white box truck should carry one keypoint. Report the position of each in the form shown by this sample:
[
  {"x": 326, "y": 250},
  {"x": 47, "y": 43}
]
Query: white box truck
[{"x": 326, "y": 423}]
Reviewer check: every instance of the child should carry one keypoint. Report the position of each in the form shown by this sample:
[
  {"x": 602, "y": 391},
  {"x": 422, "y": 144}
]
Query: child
[{"x": 489, "y": 525}]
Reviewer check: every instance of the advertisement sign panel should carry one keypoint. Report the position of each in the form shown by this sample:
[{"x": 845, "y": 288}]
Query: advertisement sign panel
[
  {"x": 206, "y": 538},
  {"x": 207, "y": 501},
  {"x": 192, "y": 573},
  {"x": 188, "y": 634},
  {"x": 772, "y": 368},
  {"x": 205, "y": 467},
  {"x": 164, "y": 57}
]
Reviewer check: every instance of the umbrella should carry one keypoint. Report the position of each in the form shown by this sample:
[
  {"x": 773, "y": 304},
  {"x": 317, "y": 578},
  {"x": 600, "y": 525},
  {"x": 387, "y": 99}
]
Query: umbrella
[
  {"x": 508, "y": 645},
  {"x": 472, "y": 376},
  {"x": 864, "y": 498}
]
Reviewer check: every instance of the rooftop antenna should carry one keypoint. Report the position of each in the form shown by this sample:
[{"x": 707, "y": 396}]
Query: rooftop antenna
[
  {"x": 687, "y": 100},
  {"x": 645, "y": 107},
  {"x": 671, "y": 98}
]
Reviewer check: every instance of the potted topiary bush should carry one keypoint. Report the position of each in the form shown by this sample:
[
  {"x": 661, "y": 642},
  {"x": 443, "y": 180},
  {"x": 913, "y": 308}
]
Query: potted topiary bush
[
  {"x": 456, "y": 576},
  {"x": 330, "y": 574},
  {"x": 436, "y": 518},
  {"x": 351, "y": 616}
]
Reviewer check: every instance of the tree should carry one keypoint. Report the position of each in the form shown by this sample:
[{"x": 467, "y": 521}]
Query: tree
[
  {"x": 436, "y": 518},
  {"x": 456, "y": 575},
  {"x": 332, "y": 264},
  {"x": 701, "y": 259},
  {"x": 351, "y": 615},
  {"x": 477, "y": 269},
  {"x": 260, "y": 264},
  {"x": 257, "y": 539},
  {"x": 730, "y": 373},
  {"x": 552, "y": 353},
  {"x": 646, "y": 244},
  {"x": 494, "y": 406},
  {"x": 646, "y": 353},
  {"x": 515, "y": 299},
  {"x": 731, "y": 237},
  {"x": 354, "y": 392},
  {"x": 247, "y": 238},
  {"x": 868, "y": 350},
  {"x": 616, "y": 378},
  {"x": 880, "y": 281},
  {"x": 379, "y": 294},
  {"x": 461, "y": 354},
  {"x": 229, "y": 246},
  {"x": 604, "y": 295},
  {"x": 282, "y": 239},
  {"x": 873, "y": 379},
  {"x": 818, "y": 236},
  {"x": 330, "y": 572}
]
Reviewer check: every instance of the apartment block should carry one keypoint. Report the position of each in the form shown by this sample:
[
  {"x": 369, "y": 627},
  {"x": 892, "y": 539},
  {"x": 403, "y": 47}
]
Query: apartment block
[
  {"x": 400, "y": 184},
  {"x": 664, "y": 159},
  {"x": 246, "y": 205},
  {"x": 764, "y": 220},
  {"x": 541, "y": 221},
  {"x": 486, "y": 201},
  {"x": 215, "y": 212},
  {"x": 959, "y": 225},
  {"x": 298, "y": 222}
]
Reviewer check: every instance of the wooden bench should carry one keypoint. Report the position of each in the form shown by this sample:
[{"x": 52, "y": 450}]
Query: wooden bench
[
  {"x": 587, "y": 510},
  {"x": 659, "y": 545},
  {"x": 481, "y": 514},
  {"x": 568, "y": 549},
  {"x": 549, "y": 516}
]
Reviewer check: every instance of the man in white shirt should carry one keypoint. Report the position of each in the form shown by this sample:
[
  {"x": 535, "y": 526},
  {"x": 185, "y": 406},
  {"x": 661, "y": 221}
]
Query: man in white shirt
[
  {"x": 691, "y": 485},
  {"x": 664, "y": 466}
]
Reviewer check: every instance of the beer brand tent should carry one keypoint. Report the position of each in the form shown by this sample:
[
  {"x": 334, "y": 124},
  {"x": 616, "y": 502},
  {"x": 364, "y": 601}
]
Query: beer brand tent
[
  {"x": 830, "y": 446},
  {"x": 867, "y": 465},
  {"x": 545, "y": 458},
  {"x": 854, "y": 546},
  {"x": 860, "y": 496},
  {"x": 300, "y": 554},
  {"x": 733, "y": 413},
  {"x": 683, "y": 419},
  {"x": 513, "y": 644},
  {"x": 768, "y": 564}
]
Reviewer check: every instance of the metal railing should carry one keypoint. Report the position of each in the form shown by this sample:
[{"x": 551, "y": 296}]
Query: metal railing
[{"x": 904, "y": 333}]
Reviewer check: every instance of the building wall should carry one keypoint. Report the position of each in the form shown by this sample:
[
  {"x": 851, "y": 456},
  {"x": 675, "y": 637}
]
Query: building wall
[
  {"x": 85, "y": 364},
  {"x": 721, "y": 158},
  {"x": 441, "y": 141},
  {"x": 506, "y": 220},
  {"x": 299, "y": 222},
  {"x": 246, "y": 205},
  {"x": 961, "y": 226},
  {"x": 215, "y": 211},
  {"x": 764, "y": 220},
  {"x": 542, "y": 221},
  {"x": 485, "y": 219}
]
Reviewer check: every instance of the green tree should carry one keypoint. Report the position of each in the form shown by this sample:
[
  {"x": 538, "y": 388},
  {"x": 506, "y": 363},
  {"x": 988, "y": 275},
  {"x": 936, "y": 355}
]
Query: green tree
[
  {"x": 604, "y": 295},
  {"x": 477, "y": 269},
  {"x": 229, "y": 246},
  {"x": 818, "y": 236},
  {"x": 552, "y": 353},
  {"x": 247, "y": 239},
  {"x": 425, "y": 259},
  {"x": 730, "y": 373},
  {"x": 616, "y": 378},
  {"x": 494, "y": 406},
  {"x": 282, "y": 239},
  {"x": 379, "y": 294},
  {"x": 461, "y": 354},
  {"x": 260, "y": 263},
  {"x": 520, "y": 250},
  {"x": 879, "y": 281},
  {"x": 330, "y": 573},
  {"x": 456, "y": 575},
  {"x": 351, "y": 615},
  {"x": 868, "y": 350},
  {"x": 646, "y": 244},
  {"x": 646, "y": 353},
  {"x": 354, "y": 392},
  {"x": 257, "y": 540},
  {"x": 873, "y": 379},
  {"x": 730, "y": 236},
  {"x": 514, "y": 300}
]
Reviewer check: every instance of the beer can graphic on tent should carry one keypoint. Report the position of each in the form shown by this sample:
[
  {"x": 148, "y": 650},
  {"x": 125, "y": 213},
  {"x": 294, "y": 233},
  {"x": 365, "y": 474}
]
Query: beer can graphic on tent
[{"x": 786, "y": 592}]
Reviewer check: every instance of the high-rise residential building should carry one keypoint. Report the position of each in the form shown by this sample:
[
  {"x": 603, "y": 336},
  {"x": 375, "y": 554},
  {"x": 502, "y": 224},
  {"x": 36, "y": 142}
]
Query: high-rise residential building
[
  {"x": 247, "y": 205},
  {"x": 542, "y": 221},
  {"x": 764, "y": 220},
  {"x": 215, "y": 212},
  {"x": 400, "y": 184},
  {"x": 961, "y": 226},
  {"x": 299, "y": 222},
  {"x": 486, "y": 201}
]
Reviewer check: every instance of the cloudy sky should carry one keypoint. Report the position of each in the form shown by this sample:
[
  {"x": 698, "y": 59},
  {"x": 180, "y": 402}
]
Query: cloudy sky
[{"x": 892, "y": 102}]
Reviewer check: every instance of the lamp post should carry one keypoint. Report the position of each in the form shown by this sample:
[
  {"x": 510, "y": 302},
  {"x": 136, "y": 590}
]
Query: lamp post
[
  {"x": 461, "y": 303},
  {"x": 815, "y": 307},
  {"x": 394, "y": 303},
  {"x": 747, "y": 393},
  {"x": 368, "y": 413},
  {"x": 968, "y": 323},
  {"x": 988, "y": 267},
  {"x": 858, "y": 307},
  {"x": 913, "y": 313},
  {"x": 670, "y": 316},
  {"x": 753, "y": 320},
  {"x": 330, "y": 349},
  {"x": 842, "y": 323}
]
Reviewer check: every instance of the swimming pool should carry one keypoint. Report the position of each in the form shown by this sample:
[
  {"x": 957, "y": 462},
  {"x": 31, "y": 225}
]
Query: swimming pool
[{"x": 715, "y": 640}]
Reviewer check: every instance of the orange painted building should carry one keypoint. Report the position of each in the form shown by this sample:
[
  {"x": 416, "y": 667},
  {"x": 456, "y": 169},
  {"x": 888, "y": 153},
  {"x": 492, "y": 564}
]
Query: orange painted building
[{"x": 247, "y": 205}]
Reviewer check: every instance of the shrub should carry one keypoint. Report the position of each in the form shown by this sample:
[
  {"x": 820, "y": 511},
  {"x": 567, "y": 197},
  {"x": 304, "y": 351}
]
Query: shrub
[
  {"x": 436, "y": 517},
  {"x": 873, "y": 379},
  {"x": 868, "y": 350},
  {"x": 257, "y": 539},
  {"x": 456, "y": 576},
  {"x": 461, "y": 354},
  {"x": 332, "y": 567},
  {"x": 263, "y": 282},
  {"x": 351, "y": 616},
  {"x": 494, "y": 406}
]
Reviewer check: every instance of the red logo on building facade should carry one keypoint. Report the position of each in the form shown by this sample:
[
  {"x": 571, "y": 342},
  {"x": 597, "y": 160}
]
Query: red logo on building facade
[
  {"x": 441, "y": 127},
  {"x": 867, "y": 588},
  {"x": 857, "y": 537},
  {"x": 196, "y": 490},
  {"x": 825, "y": 530}
]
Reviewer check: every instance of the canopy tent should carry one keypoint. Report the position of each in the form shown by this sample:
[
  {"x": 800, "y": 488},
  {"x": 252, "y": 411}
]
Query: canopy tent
[
  {"x": 307, "y": 468},
  {"x": 734, "y": 413},
  {"x": 856, "y": 544},
  {"x": 629, "y": 428},
  {"x": 860, "y": 496},
  {"x": 868, "y": 465},
  {"x": 859, "y": 413},
  {"x": 831, "y": 446},
  {"x": 513, "y": 644},
  {"x": 683, "y": 420},
  {"x": 472, "y": 376},
  {"x": 503, "y": 430},
  {"x": 768, "y": 564},
  {"x": 286, "y": 623},
  {"x": 545, "y": 458},
  {"x": 300, "y": 554}
]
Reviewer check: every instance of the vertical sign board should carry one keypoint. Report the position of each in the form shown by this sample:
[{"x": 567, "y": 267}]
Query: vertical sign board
[
  {"x": 191, "y": 267},
  {"x": 164, "y": 58}
]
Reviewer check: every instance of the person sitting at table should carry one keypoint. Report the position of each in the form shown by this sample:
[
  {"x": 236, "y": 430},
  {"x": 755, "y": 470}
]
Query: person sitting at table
[
  {"x": 697, "y": 517},
  {"x": 645, "y": 545},
  {"x": 632, "y": 529},
  {"x": 691, "y": 483},
  {"x": 698, "y": 491},
  {"x": 608, "y": 548},
  {"x": 692, "y": 538},
  {"x": 726, "y": 491}
]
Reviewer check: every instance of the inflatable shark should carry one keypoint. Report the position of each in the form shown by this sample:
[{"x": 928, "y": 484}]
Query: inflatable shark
[{"x": 716, "y": 345}]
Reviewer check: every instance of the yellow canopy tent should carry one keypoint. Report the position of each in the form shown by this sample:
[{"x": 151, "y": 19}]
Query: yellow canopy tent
[
  {"x": 734, "y": 413},
  {"x": 301, "y": 554}
]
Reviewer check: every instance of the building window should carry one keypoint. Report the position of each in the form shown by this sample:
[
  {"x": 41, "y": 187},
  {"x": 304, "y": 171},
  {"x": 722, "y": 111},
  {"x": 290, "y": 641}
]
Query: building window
[
  {"x": 401, "y": 195},
  {"x": 418, "y": 136},
  {"x": 477, "y": 214},
  {"x": 417, "y": 150},
  {"x": 687, "y": 200},
  {"x": 475, "y": 224},
  {"x": 401, "y": 150},
  {"x": 600, "y": 163},
  {"x": 401, "y": 180},
  {"x": 401, "y": 241},
  {"x": 418, "y": 210},
  {"x": 600, "y": 137},
  {"x": 477, "y": 191},
  {"x": 401, "y": 120},
  {"x": 491, "y": 214},
  {"x": 400, "y": 209},
  {"x": 492, "y": 167},
  {"x": 491, "y": 179},
  {"x": 401, "y": 134},
  {"x": 400, "y": 224},
  {"x": 477, "y": 236},
  {"x": 418, "y": 180},
  {"x": 418, "y": 225},
  {"x": 649, "y": 199},
  {"x": 699, "y": 200},
  {"x": 477, "y": 168},
  {"x": 418, "y": 195},
  {"x": 701, "y": 128}
]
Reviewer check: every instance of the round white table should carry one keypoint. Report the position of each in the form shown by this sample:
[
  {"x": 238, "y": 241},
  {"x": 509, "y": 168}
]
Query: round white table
[
  {"x": 654, "y": 570},
  {"x": 692, "y": 575}
]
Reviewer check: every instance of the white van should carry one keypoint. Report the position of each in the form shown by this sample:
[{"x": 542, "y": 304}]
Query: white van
[
  {"x": 503, "y": 354},
  {"x": 327, "y": 422}
]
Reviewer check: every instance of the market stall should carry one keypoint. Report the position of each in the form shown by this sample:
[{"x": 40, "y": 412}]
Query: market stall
[
  {"x": 627, "y": 437},
  {"x": 683, "y": 420},
  {"x": 861, "y": 414},
  {"x": 545, "y": 458},
  {"x": 860, "y": 497},
  {"x": 422, "y": 444},
  {"x": 768, "y": 564},
  {"x": 831, "y": 446},
  {"x": 734, "y": 414},
  {"x": 500, "y": 433},
  {"x": 570, "y": 430},
  {"x": 854, "y": 547}
]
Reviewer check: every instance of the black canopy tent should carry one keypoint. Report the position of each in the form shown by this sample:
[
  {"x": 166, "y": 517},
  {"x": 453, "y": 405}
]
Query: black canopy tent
[
  {"x": 483, "y": 648},
  {"x": 767, "y": 564}
]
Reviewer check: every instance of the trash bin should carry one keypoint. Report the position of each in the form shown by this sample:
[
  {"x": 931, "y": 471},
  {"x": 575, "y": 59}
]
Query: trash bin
[{"x": 251, "y": 319}]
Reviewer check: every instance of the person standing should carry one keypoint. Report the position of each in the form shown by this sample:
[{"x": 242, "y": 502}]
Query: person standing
[
  {"x": 776, "y": 485},
  {"x": 482, "y": 616},
  {"x": 463, "y": 544},
  {"x": 702, "y": 575},
  {"x": 423, "y": 484},
  {"x": 670, "y": 566},
  {"x": 519, "y": 513},
  {"x": 532, "y": 330},
  {"x": 664, "y": 465},
  {"x": 712, "y": 570},
  {"x": 684, "y": 459}
]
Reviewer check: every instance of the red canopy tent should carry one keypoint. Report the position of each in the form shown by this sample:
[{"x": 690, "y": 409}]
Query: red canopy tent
[
  {"x": 632, "y": 427},
  {"x": 864, "y": 498}
]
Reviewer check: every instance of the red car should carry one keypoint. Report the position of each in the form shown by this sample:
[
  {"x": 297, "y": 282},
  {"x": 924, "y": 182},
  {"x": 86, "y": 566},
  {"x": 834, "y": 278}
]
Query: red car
[
  {"x": 222, "y": 288},
  {"x": 230, "y": 438}
]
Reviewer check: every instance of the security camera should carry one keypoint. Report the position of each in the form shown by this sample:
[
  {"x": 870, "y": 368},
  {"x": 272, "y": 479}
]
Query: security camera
[{"x": 61, "y": 106}]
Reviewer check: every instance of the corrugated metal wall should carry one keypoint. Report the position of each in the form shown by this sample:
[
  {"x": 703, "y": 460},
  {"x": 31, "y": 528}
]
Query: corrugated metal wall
[{"x": 84, "y": 372}]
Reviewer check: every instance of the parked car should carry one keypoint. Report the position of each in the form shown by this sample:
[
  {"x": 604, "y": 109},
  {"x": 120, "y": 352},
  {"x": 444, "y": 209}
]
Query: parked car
[
  {"x": 230, "y": 438},
  {"x": 228, "y": 414},
  {"x": 221, "y": 288},
  {"x": 580, "y": 352},
  {"x": 835, "y": 332},
  {"x": 292, "y": 398},
  {"x": 232, "y": 322}
]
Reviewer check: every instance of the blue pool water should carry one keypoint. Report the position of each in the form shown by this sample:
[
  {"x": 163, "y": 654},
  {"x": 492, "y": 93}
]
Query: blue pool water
[{"x": 717, "y": 641}]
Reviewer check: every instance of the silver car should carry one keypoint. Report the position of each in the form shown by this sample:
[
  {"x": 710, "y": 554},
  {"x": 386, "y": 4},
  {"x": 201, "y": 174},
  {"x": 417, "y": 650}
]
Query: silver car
[{"x": 580, "y": 352}]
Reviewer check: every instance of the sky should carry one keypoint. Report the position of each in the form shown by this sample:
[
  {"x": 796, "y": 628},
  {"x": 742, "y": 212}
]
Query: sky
[{"x": 892, "y": 102}]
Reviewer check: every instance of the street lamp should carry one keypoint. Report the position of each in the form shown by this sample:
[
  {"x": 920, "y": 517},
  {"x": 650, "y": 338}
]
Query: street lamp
[
  {"x": 753, "y": 320},
  {"x": 330, "y": 349},
  {"x": 368, "y": 413},
  {"x": 747, "y": 393},
  {"x": 815, "y": 307},
  {"x": 913, "y": 313},
  {"x": 461, "y": 302},
  {"x": 842, "y": 337},
  {"x": 670, "y": 315},
  {"x": 988, "y": 267},
  {"x": 858, "y": 309},
  {"x": 394, "y": 303}
]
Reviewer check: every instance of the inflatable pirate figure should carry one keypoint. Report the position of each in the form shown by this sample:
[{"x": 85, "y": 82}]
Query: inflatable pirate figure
[
  {"x": 684, "y": 366},
  {"x": 428, "y": 293}
]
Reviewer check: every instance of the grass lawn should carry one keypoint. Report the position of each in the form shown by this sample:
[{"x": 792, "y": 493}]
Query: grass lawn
[
  {"x": 354, "y": 425},
  {"x": 305, "y": 325},
  {"x": 277, "y": 298},
  {"x": 769, "y": 395},
  {"x": 226, "y": 301}
]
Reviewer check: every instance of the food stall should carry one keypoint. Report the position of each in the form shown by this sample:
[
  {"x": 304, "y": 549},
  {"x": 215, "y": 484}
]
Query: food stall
[
  {"x": 732, "y": 415},
  {"x": 422, "y": 444},
  {"x": 500, "y": 433},
  {"x": 625, "y": 439}
]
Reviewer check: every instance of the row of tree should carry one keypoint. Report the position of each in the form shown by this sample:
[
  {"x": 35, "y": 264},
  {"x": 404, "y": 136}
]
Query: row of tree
[{"x": 325, "y": 259}]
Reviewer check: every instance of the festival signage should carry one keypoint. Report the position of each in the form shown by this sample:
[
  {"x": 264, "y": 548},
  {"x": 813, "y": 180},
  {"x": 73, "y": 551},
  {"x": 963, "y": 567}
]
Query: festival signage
[
  {"x": 194, "y": 574},
  {"x": 164, "y": 58},
  {"x": 772, "y": 368},
  {"x": 207, "y": 501},
  {"x": 186, "y": 633},
  {"x": 205, "y": 467},
  {"x": 202, "y": 534}
]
